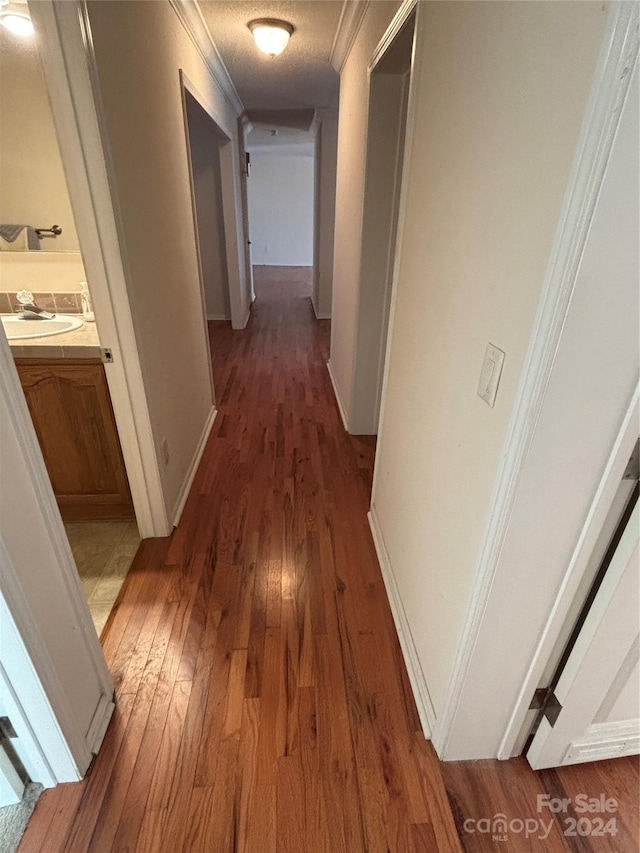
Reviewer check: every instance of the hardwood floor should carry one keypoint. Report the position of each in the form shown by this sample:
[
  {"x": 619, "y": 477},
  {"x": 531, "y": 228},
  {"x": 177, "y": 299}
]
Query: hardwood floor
[
  {"x": 479, "y": 790},
  {"x": 262, "y": 700}
]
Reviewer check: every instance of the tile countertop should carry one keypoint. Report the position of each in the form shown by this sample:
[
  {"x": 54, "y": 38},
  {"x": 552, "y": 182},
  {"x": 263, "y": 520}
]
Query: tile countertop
[{"x": 80, "y": 343}]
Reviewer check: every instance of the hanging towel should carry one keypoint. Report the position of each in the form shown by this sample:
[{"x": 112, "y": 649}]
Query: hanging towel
[{"x": 18, "y": 238}]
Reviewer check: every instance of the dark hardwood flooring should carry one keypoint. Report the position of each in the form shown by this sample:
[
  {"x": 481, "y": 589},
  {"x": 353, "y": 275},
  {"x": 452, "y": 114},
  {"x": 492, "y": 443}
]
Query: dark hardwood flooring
[
  {"x": 479, "y": 790},
  {"x": 262, "y": 701}
]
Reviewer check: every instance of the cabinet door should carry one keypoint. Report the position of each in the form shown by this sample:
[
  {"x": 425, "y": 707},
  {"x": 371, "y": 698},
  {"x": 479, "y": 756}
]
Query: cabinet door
[{"x": 71, "y": 409}]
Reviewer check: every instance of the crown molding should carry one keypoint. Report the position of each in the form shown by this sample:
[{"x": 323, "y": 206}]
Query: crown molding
[
  {"x": 351, "y": 17},
  {"x": 191, "y": 18}
]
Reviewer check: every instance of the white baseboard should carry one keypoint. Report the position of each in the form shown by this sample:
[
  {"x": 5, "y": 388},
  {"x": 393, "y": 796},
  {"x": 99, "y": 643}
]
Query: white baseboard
[
  {"x": 604, "y": 741},
  {"x": 337, "y": 396},
  {"x": 218, "y": 317},
  {"x": 319, "y": 315},
  {"x": 99, "y": 723},
  {"x": 193, "y": 467},
  {"x": 245, "y": 321},
  {"x": 426, "y": 711}
]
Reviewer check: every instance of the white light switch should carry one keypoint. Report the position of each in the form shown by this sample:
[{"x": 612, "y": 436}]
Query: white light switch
[{"x": 490, "y": 376}]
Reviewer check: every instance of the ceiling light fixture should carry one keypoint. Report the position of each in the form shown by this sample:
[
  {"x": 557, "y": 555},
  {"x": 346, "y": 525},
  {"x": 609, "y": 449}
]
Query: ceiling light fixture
[
  {"x": 270, "y": 35},
  {"x": 17, "y": 23}
]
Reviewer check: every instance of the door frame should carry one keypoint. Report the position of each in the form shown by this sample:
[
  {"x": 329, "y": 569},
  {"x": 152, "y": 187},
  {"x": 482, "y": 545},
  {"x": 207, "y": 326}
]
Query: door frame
[
  {"x": 231, "y": 213},
  {"x": 355, "y": 423},
  {"x": 66, "y": 52},
  {"x": 392, "y": 247},
  {"x": 245, "y": 126},
  {"x": 187, "y": 86},
  {"x": 228, "y": 196}
]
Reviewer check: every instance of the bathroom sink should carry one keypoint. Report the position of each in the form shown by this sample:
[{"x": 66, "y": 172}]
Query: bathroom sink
[{"x": 17, "y": 329}]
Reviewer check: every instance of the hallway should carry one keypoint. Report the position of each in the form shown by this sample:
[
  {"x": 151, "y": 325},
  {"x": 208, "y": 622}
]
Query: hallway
[{"x": 262, "y": 699}]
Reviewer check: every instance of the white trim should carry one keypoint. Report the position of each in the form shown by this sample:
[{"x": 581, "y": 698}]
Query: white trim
[
  {"x": 183, "y": 494},
  {"x": 233, "y": 235},
  {"x": 99, "y": 723},
  {"x": 314, "y": 127},
  {"x": 218, "y": 317},
  {"x": 416, "y": 65},
  {"x": 11, "y": 785},
  {"x": 426, "y": 711},
  {"x": 407, "y": 8},
  {"x": 233, "y": 249},
  {"x": 186, "y": 86},
  {"x": 604, "y": 741},
  {"x": 191, "y": 18},
  {"x": 607, "y": 98},
  {"x": 246, "y": 124},
  {"x": 28, "y": 746},
  {"x": 341, "y": 408},
  {"x": 208, "y": 106},
  {"x": 66, "y": 53},
  {"x": 351, "y": 18},
  {"x": 319, "y": 316},
  {"x": 602, "y": 502},
  {"x": 399, "y": 20}
]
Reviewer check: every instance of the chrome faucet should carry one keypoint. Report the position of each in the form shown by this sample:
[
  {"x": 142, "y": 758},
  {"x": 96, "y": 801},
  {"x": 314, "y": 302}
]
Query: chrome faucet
[{"x": 29, "y": 310}]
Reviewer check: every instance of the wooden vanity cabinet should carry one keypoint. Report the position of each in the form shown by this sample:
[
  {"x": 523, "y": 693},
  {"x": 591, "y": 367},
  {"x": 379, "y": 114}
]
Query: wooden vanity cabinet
[{"x": 71, "y": 410}]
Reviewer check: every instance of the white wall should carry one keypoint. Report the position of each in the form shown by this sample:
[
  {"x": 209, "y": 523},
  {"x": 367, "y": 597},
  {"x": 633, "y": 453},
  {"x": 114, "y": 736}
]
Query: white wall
[
  {"x": 148, "y": 145},
  {"x": 33, "y": 190},
  {"x": 594, "y": 377},
  {"x": 501, "y": 94},
  {"x": 41, "y": 271},
  {"x": 385, "y": 147},
  {"x": 204, "y": 143},
  {"x": 326, "y": 155},
  {"x": 281, "y": 205},
  {"x": 350, "y": 181}
]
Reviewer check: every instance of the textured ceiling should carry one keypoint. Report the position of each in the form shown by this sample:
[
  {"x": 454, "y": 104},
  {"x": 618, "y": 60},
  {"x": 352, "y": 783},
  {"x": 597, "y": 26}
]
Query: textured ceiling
[{"x": 301, "y": 77}]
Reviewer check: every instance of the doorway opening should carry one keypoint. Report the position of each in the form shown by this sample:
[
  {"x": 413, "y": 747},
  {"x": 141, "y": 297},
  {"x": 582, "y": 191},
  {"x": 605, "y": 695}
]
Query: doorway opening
[
  {"x": 48, "y": 318},
  {"x": 389, "y": 83},
  {"x": 282, "y": 187},
  {"x": 204, "y": 139},
  {"x": 212, "y": 164}
]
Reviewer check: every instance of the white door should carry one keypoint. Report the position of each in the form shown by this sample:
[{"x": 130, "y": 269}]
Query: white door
[{"x": 599, "y": 687}]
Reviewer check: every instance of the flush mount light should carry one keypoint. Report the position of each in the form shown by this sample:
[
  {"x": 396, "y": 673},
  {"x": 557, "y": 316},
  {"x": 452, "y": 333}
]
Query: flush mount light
[
  {"x": 270, "y": 35},
  {"x": 17, "y": 23}
]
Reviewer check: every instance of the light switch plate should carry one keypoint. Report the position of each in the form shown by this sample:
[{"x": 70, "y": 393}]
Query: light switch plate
[{"x": 490, "y": 375}]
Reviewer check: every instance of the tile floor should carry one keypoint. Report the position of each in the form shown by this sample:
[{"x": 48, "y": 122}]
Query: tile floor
[{"x": 103, "y": 551}]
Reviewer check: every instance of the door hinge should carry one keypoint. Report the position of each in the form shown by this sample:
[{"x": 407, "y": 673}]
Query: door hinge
[
  {"x": 545, "y": 702},
  {"x": 6, "y": 729}
]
